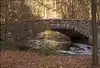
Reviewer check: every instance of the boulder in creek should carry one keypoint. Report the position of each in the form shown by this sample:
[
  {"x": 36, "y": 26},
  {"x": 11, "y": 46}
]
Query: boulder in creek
[{"x": 54, "y": 39}]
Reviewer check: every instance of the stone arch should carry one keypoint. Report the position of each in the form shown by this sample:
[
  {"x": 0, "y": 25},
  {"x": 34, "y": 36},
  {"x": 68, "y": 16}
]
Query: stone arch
[
  {"x": 81, "y": 27},
  {"x": 76, "y": 37}
]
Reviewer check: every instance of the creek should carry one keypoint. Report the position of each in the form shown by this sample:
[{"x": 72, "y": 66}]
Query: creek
[{"x": 79, "y": 49}]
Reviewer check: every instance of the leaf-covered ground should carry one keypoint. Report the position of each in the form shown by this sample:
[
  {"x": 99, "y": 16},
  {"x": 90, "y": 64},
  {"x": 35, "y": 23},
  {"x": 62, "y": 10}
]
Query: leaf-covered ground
[{"x": 18, "y": 59}]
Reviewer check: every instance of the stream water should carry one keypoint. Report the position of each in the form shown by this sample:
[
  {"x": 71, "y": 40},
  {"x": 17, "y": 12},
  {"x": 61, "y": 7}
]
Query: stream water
[{"x": 79, "y": 49}]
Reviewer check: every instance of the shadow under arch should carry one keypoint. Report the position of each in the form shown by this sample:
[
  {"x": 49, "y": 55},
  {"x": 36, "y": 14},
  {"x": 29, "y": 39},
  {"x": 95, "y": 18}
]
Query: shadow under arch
[{"x": 75, "y": 36}]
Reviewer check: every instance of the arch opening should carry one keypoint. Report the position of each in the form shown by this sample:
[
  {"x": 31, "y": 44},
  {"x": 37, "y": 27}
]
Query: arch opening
[{"x": 75, "y": 36}]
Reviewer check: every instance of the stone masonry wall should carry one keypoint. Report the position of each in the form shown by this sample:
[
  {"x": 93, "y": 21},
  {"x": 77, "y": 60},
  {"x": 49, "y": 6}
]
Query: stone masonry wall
[{"x": 29, "y": 29}]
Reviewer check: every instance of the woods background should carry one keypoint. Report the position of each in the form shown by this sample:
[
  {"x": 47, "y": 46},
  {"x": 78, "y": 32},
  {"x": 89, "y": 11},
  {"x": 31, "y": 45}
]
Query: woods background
[{"x": 19, "y": 10}]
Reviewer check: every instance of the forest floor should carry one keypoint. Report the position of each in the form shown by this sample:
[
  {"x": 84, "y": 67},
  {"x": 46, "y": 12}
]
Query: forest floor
[{"x": 19, "y": 59}]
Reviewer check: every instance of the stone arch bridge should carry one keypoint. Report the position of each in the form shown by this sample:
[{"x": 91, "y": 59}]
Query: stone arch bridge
[{"x": 81, "y": 26}]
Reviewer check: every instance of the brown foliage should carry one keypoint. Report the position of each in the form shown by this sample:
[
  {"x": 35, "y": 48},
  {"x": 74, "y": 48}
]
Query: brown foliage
[{"x": 29, "y": 60}]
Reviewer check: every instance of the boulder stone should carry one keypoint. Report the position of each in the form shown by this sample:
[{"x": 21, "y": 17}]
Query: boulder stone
[{"x": 54, "y": 39}]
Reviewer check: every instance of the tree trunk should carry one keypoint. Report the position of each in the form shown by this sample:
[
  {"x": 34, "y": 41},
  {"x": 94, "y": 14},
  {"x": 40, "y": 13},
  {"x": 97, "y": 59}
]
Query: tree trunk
[{"x": 94, "y": 34}]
